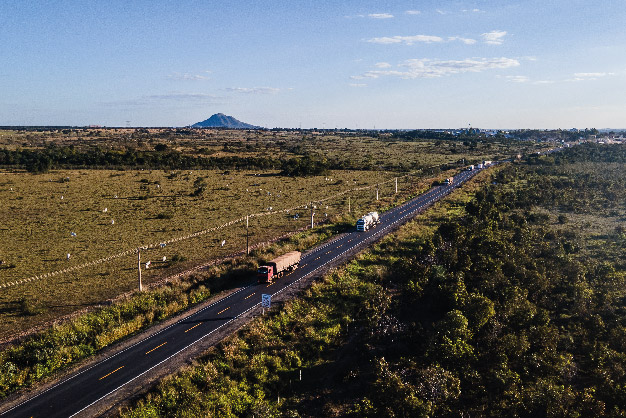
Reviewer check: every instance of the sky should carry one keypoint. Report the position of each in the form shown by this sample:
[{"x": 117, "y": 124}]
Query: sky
[{"x": 494, "y": 64}]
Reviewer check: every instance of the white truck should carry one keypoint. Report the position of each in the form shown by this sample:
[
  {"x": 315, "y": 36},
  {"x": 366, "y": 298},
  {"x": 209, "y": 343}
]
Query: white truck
[
  {"x": 470, "y": 168},
  {"x": 368, "y": 221},
  {"x": 449, "y": 180}
]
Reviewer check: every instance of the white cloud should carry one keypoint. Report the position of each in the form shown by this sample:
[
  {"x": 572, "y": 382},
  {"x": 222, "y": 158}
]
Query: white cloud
[
  {"x": 358, "y": 85},
  {"x": 466, "y": 41},
  {"x": 254, "y": 90},
  {"x": 188, "y": 76},
  {"x": 588, "y": 76},
  {"x": 426, "y": 68},
  {"x": 174, "y": 98},
  {"x": 412, "y": 12},
  {"x": 382, "y": 65},
  {"x": 409, "y": 40},
  {"x": 182, "y": 96},
  {"x": 472, "y": 11},
  {"x": 494, "y": 37},
  {"x": 380, "y": 15},
  {"x": 517, "y": 78},
  {"x": 592, "y": 76},
  {"x": 441, "y": 12}
]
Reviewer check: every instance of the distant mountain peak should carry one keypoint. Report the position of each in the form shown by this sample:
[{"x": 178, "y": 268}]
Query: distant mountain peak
[{"x": 220, "y": 120}]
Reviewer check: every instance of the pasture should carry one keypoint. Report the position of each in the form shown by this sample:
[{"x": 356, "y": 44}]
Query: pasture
[
  {"x": 94, "y": 214},
  {"x": 101, "y": 216}
]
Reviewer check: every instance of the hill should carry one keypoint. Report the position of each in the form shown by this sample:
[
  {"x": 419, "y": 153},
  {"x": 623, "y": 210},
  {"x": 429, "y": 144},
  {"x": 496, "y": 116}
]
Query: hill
[{"x": 220, "y": 120}]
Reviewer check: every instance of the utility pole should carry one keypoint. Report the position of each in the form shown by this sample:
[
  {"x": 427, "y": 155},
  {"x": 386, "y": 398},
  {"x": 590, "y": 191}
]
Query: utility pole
[
  {"x": 139, "y": 267},
  {"x": 247, "y": 237},
  {"x": 396, "y": 185},
  {"x": 312, "y": 213},
  {"x": 376, "y": 192},
  {"x": 348, "y": 204}
]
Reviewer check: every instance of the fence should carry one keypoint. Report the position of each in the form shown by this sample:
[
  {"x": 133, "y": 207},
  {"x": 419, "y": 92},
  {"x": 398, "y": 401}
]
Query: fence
[{"x": 335, "y": 205}]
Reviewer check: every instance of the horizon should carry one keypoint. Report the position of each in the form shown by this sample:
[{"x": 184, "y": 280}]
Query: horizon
[
  {"x": 353, "y": 65},
  {"x": 8, "y": 127}
]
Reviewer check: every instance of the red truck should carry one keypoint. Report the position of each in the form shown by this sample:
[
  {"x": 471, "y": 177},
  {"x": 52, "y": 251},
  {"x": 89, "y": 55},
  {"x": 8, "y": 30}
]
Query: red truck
[{"x": 278, "y": 266}]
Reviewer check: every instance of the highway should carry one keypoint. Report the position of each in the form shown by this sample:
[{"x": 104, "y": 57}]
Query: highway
[{"x": 79, "y": 392}]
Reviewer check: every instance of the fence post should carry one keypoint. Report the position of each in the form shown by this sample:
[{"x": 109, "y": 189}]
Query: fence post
[{"x": 139, "y": 268}]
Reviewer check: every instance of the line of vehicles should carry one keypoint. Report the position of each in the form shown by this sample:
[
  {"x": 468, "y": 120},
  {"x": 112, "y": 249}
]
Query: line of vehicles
[{"x": 290, "y": 261}]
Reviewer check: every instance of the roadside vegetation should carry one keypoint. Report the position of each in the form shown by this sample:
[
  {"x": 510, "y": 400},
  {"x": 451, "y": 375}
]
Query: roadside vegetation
[
  {"x": 41, "y": 355},
  {"x": 508, "y": 302},
  {"x": 38, "y": 356}
]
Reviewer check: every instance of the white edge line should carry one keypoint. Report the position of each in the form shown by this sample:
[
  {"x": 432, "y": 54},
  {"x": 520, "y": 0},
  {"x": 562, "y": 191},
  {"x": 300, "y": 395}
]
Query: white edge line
[{"x": 125, "y": 349}]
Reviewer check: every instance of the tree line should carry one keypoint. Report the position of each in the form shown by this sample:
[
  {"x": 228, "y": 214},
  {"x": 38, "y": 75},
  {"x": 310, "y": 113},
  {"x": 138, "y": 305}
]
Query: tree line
[{"x": 46, "y": 159}]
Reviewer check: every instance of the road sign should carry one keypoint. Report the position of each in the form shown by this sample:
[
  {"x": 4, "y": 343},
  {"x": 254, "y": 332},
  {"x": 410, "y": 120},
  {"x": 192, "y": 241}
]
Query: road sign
[{"x": 266, "y": 300}]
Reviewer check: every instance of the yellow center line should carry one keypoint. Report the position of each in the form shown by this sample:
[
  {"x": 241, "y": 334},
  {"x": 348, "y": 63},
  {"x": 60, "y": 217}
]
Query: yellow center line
[
  {"x": 269, "y": 285},
  {"x": 197, "y": 325},
  {"x": 107, "y": 375},
  {"x": 158, "y": 346},
  {"x": 303, "y": 265},
  {"x": 223, "y": 310},
  {"x": 248, "y": 297}
]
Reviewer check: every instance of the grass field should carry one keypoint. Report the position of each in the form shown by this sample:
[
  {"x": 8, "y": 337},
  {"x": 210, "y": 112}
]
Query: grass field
[
  {"x": 148, "y": 208},
  {"x": 96, "y": 214}
]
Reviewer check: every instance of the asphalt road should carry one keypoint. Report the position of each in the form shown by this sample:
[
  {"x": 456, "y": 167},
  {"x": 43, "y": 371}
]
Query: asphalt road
[{"x": 85, "y": 388}]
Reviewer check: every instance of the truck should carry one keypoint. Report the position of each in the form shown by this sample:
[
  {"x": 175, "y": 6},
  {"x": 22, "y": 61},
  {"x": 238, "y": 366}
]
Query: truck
[
  {"x": 486, "y": 163},
  {"x": 368, "y": 221},
  {"x": 470, "y": 168},
  {"x": 449, "y": 180},
  {"x": 479, "y": 166},
  {"x": 274, "y": 269}
]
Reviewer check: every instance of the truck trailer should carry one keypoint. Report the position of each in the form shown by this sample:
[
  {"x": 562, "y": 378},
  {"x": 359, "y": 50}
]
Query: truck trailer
[
  {"x": 368, "y": 221},
  {"x": 449, "y": 180},
  {"x": 278, "y": 266}
]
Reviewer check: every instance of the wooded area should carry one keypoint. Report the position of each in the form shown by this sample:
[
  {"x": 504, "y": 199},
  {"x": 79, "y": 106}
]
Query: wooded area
[{"x": 513, "y": 306}]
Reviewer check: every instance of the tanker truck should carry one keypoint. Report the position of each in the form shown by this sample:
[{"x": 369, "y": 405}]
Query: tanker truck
[
  {"x": 278, "y": 266},
  {"x": 368, "y": 221}
]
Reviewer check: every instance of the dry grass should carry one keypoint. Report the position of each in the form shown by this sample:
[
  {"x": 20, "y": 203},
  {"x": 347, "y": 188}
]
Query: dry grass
[
  {"x": 37, "y": 226},
  {"x": 152, "y": 207}
]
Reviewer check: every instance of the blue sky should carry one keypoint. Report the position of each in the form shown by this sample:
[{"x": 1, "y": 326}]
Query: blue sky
[{"x": 347, "y": 64}]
